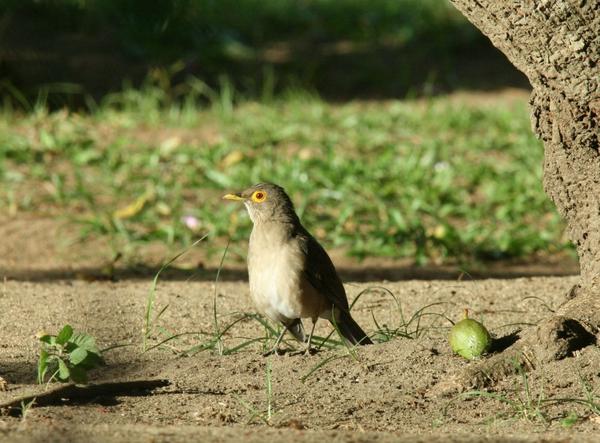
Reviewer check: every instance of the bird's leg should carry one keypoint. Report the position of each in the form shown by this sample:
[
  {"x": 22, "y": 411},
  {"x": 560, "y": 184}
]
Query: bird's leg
[
  {"x": 275, "y": 347},
  {"x": 312, "y": 330}
]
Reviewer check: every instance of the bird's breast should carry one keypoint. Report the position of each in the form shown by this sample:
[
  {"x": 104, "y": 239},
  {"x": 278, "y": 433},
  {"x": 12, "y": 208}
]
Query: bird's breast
[{"x": 277, "y": 283}]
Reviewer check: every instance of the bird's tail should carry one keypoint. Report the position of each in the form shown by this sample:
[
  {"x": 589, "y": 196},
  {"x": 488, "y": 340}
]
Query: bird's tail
[{"x": 350, "y": 329}]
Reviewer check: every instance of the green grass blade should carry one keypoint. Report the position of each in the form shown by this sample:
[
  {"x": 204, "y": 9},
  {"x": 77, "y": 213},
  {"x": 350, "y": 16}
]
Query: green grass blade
[{"x": 152, "y": 294}]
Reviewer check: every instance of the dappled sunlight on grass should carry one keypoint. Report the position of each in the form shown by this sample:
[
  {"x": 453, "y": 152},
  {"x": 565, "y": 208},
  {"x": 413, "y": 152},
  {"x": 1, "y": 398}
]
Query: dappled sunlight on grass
[{"x": 430, "y": 179}]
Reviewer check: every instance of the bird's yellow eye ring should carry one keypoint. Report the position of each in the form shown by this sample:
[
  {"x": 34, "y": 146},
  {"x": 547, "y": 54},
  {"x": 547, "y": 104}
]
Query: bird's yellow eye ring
[{"x": 259, "y": 196}]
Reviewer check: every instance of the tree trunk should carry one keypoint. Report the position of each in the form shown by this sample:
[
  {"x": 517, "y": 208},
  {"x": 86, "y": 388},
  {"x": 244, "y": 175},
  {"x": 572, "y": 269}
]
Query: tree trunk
[{"x": 556, "y": 43}]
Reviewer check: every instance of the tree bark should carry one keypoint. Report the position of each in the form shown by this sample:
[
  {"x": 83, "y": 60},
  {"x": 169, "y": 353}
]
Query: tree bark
[{"x": 556, "y": 43}]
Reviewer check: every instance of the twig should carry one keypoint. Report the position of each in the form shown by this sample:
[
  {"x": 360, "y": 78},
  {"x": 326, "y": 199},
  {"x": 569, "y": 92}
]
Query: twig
[{"x": 57, "y": 394}]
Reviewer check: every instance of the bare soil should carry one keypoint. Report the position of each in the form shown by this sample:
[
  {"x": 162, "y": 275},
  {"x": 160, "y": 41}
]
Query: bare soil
[{"x": 401, "y": 390}]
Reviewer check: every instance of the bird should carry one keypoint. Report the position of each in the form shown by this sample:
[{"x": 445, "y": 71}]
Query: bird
[{"x": 291, "y": 276}]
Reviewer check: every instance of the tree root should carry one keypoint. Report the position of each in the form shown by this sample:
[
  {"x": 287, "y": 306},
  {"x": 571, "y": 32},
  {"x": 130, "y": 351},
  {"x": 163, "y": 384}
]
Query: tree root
[{"x": 574, "y": 326}]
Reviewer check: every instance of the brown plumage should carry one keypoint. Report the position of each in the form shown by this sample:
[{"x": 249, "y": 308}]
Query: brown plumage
[{"x": 291, "y": 275}]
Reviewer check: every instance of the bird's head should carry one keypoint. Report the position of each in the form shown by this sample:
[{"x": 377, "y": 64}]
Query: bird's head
[{"x": 266, "y": 202}]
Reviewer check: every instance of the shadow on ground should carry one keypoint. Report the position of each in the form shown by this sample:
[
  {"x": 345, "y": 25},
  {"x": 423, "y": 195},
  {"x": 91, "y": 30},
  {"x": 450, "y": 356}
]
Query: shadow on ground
[
  {"x": 355, "y": 273},
  {"x": 20, "y": 372}
]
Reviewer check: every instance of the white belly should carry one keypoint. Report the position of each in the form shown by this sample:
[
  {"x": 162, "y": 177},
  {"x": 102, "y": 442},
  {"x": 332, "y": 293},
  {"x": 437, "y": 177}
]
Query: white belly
[{"x": 277, "y": 285}]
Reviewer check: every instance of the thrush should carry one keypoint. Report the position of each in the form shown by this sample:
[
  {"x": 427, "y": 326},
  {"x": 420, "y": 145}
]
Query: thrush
[{"x": 291, "y": 276}]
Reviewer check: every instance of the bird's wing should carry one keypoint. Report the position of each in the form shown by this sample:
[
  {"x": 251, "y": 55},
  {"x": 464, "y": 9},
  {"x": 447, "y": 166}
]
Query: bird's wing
[{"x": 321, "y": 273}]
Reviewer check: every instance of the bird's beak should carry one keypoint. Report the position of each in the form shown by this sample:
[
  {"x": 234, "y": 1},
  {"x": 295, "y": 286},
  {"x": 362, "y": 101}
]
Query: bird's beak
[{"x": 234, "y": 197}]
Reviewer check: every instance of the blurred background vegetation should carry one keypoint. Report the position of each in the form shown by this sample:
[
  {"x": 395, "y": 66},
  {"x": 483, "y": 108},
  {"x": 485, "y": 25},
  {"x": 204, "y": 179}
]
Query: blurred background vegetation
[
  {"x": 339, "y": 49},
  {"x": 128, "y": 119}
]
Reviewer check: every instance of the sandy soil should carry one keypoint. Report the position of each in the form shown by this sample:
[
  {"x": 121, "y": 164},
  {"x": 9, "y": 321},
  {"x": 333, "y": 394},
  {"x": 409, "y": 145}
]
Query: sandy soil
[{"x": 400, "y": 390}]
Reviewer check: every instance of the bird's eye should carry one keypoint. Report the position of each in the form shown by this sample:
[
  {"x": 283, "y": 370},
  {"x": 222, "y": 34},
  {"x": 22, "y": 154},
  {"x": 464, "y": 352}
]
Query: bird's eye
[{"x": 259, "y": 196}]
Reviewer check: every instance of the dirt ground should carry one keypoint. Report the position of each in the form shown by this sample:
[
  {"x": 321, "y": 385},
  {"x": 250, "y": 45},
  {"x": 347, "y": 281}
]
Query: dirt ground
[{"x": 401, "y": 390}]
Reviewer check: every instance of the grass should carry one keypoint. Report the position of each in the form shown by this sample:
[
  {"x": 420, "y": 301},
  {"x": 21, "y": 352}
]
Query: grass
[
  {"x": 429, "y": 180},
  {"x": 265, "y": 415},
  {"x": 524, "y": 404},
  {"x": 151, "y": 320},
  {"x": 433, "y": 179},
  {"x": 222, "y": 339},
  {"x": 412, "y": 327},
  {"x": 26, "y": 408},
  {"x": 217, "y": 329}
]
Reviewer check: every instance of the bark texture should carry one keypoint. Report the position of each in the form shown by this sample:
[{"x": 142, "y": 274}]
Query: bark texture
[{"x": 556, "y": 43}]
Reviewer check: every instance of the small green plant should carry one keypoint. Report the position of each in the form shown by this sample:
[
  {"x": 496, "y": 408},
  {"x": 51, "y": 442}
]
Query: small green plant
[
  {"x": 26, "y": 407},
  {"x": 570, "y": 420},
  {"x": 67, "y": 356}
]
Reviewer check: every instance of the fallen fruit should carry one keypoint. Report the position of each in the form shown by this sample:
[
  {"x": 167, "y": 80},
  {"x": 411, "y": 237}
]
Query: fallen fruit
[{"x": 469, "y": 338}]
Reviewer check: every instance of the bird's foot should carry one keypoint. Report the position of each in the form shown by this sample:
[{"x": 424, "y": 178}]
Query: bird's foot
[
  {"x": 274, "y": 351},
  {"x": 310, "y": 351},
  {"x": 305, "y": 351}
]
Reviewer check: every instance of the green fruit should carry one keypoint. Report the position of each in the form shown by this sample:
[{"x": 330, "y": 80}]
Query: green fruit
[{"x": 469, "y": 338}]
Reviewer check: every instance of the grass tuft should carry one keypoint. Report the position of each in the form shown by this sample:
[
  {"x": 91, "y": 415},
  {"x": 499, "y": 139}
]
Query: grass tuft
[
  {"x": 433, "y": 180},
  {"x": 523, "y": 404},
  {"x": 149, "y": 320}
]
